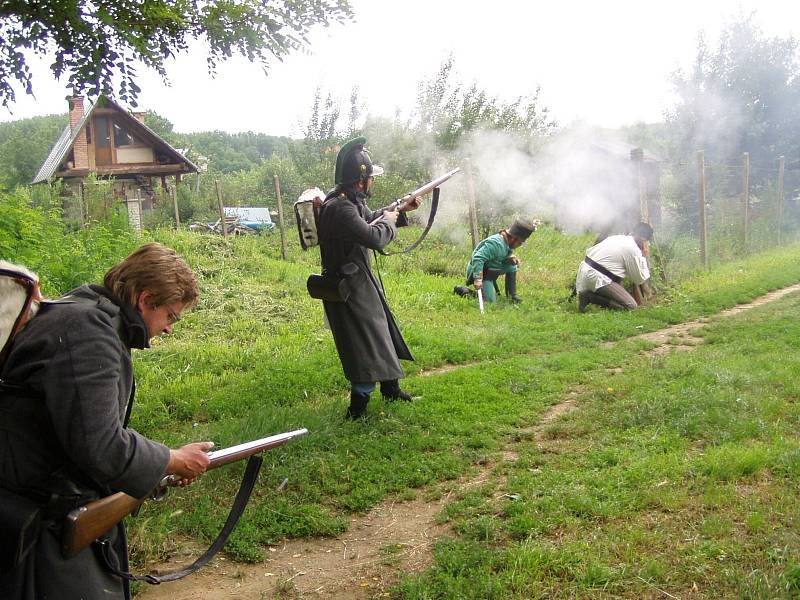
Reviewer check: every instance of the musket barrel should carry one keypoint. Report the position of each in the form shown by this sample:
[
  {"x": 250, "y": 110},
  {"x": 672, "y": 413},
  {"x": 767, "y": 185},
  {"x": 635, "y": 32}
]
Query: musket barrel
[
  {"x": 431, "y": 185},
  {"x": 233, "y": 453},
  {"x": 420, "y": 191}
]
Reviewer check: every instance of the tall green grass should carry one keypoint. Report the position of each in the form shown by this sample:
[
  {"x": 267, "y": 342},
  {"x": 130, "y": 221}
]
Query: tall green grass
[
  {"x": 676, "y": 477},
  {"x": 255, "y": 358}
]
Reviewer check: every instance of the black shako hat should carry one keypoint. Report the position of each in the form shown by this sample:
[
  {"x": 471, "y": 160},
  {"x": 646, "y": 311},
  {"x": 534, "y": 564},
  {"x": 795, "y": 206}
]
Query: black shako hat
[
  {"x": 354, "y": 164},
  {"x": 522, "y": 229}
]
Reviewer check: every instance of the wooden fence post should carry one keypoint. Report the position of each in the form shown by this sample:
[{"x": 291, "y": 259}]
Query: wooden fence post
[
  {"x": 222, "y": 222},
  {"x": 746, "y": 197},
  {"x": 280, "y": 215},
  {"x": 701, "y": 201},
  {"x": 141, "y": 210},
  {"x": 473, "y": 209},
  {"x": 174, "y": 193},
  {"x": 781, "y": 172},
  {"x": 637, "y": 156},
  {"x": 83, "y": 208}
]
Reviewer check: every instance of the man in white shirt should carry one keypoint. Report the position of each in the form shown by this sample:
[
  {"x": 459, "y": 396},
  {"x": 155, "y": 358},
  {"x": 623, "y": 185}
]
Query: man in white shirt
[{"x": 607, "y": 263}]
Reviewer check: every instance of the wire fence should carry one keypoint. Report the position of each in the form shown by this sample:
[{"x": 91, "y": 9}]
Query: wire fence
[
  {"x": 714, "y": 213},
  {"x": 704, "y": 213}
]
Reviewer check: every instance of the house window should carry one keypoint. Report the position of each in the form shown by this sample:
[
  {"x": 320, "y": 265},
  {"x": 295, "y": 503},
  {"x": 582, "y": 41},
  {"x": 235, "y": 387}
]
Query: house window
[
  {"x": 123, "y": 137},
  {"x": 101, "y": 129}
]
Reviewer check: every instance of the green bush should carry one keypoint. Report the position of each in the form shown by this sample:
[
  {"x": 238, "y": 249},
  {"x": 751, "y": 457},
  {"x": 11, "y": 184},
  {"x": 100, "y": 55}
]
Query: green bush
[{"x": 33, "y": 234}]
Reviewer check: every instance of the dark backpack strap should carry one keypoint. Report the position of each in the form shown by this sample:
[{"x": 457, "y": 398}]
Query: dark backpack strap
[
  {"x": 598, "y": 267},
  {"x": 431, "y": 217},
  {"x": 239, "y": 504}
]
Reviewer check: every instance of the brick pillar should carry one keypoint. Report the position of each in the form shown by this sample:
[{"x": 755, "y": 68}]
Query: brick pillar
[{"x": 80, "y": 149}]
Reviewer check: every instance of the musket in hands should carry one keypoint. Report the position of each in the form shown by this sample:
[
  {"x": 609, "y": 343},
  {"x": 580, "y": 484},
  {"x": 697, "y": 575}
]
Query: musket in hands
[
  {"x": 85, "y": 524},
  {"x": 418, "y": 193}
]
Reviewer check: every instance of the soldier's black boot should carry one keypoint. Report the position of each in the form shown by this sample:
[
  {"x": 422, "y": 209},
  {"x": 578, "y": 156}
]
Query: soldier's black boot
[
  {"x": 390, "y": 390},
  {"x": 358, "y": 406},
  {"x": 583, "y": 301},
  {"x": 511, "y": 287}
]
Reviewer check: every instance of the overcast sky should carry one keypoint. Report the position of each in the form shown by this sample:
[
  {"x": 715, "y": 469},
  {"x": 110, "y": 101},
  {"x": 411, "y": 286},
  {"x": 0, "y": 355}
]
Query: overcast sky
[{"x": 605, "y": 63}]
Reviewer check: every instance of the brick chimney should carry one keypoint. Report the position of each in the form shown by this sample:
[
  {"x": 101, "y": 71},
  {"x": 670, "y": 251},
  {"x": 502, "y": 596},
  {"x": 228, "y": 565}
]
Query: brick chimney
[
  {"x": 75, "y": 110},
  {"x": 139, "y": 116},
  {"x": 80, "y": 149}
]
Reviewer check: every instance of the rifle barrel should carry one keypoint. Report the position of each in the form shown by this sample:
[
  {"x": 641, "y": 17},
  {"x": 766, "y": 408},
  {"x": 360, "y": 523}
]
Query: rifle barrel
[
  {"x": 420, "y": 191},
  {"x": 430, "y": 186},
  {"x": 233, "y": 453}
]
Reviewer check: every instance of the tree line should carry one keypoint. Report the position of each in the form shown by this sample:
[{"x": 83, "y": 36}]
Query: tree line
[{"x": 742, "y": 94}]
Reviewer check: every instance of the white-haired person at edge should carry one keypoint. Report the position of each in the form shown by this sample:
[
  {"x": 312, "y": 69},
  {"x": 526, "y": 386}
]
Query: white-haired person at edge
[
  {"x": 66, "y": 392},
  {"x": 607, "y": 263},
  {"x": 367, "y": 338}
]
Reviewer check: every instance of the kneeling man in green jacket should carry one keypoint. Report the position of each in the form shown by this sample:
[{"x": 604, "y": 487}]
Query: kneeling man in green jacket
[{"x": 494, "y": 257}]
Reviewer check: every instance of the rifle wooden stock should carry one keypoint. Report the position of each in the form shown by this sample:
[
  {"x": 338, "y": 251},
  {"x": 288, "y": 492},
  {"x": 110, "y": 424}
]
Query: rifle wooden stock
[{"x": 85, "y": 524}]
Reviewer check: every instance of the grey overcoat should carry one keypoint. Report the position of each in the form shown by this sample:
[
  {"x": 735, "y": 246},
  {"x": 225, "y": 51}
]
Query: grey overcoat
[
  {"x": 367, "y": 337},
  {"x": 75, "y": 360}
]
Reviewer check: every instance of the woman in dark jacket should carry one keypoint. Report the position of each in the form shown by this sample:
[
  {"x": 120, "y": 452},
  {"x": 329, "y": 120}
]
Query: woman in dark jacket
[
  {"x": 367, "y": 337},
  {"x": 67, "y": 392}
]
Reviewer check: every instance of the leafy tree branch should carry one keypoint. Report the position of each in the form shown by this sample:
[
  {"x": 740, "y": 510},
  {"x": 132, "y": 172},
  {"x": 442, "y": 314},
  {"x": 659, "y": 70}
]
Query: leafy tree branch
[{"x": 97, "y": 44}]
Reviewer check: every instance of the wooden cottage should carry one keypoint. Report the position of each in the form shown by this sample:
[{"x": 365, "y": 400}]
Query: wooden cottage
[{"x": 115, "y": 144}]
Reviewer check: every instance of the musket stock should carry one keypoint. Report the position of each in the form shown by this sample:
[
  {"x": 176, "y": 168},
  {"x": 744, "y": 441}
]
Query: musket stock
[{"x": 85, "y": 524}]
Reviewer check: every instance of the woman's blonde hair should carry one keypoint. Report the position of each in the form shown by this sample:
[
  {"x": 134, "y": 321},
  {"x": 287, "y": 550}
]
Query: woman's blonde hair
[{"x": 156, "y": 269}]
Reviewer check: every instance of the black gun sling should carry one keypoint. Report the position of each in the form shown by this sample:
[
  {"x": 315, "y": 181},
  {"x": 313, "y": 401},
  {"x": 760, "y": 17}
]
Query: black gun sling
[
  {"x": 598, "y": 267},
  {"x": 423, "y": 235},
  {"x": 239, "y": 504}
]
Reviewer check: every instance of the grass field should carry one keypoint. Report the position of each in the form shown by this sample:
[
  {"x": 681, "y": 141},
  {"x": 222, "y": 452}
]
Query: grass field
[{"x": 677, "y": 475}]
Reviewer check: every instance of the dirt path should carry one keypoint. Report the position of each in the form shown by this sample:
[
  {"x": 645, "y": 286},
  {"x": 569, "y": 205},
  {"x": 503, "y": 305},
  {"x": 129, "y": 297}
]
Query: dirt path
[
  {"x": 680, "y": 336},
  {"x": 392, "y": 539}
]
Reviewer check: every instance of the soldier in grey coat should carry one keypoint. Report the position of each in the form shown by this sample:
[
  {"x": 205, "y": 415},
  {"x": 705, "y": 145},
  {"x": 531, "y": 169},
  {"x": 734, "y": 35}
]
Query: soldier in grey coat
[
  {"x": 66, "y": 394},
  {"x": 367, "y": 337}
]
